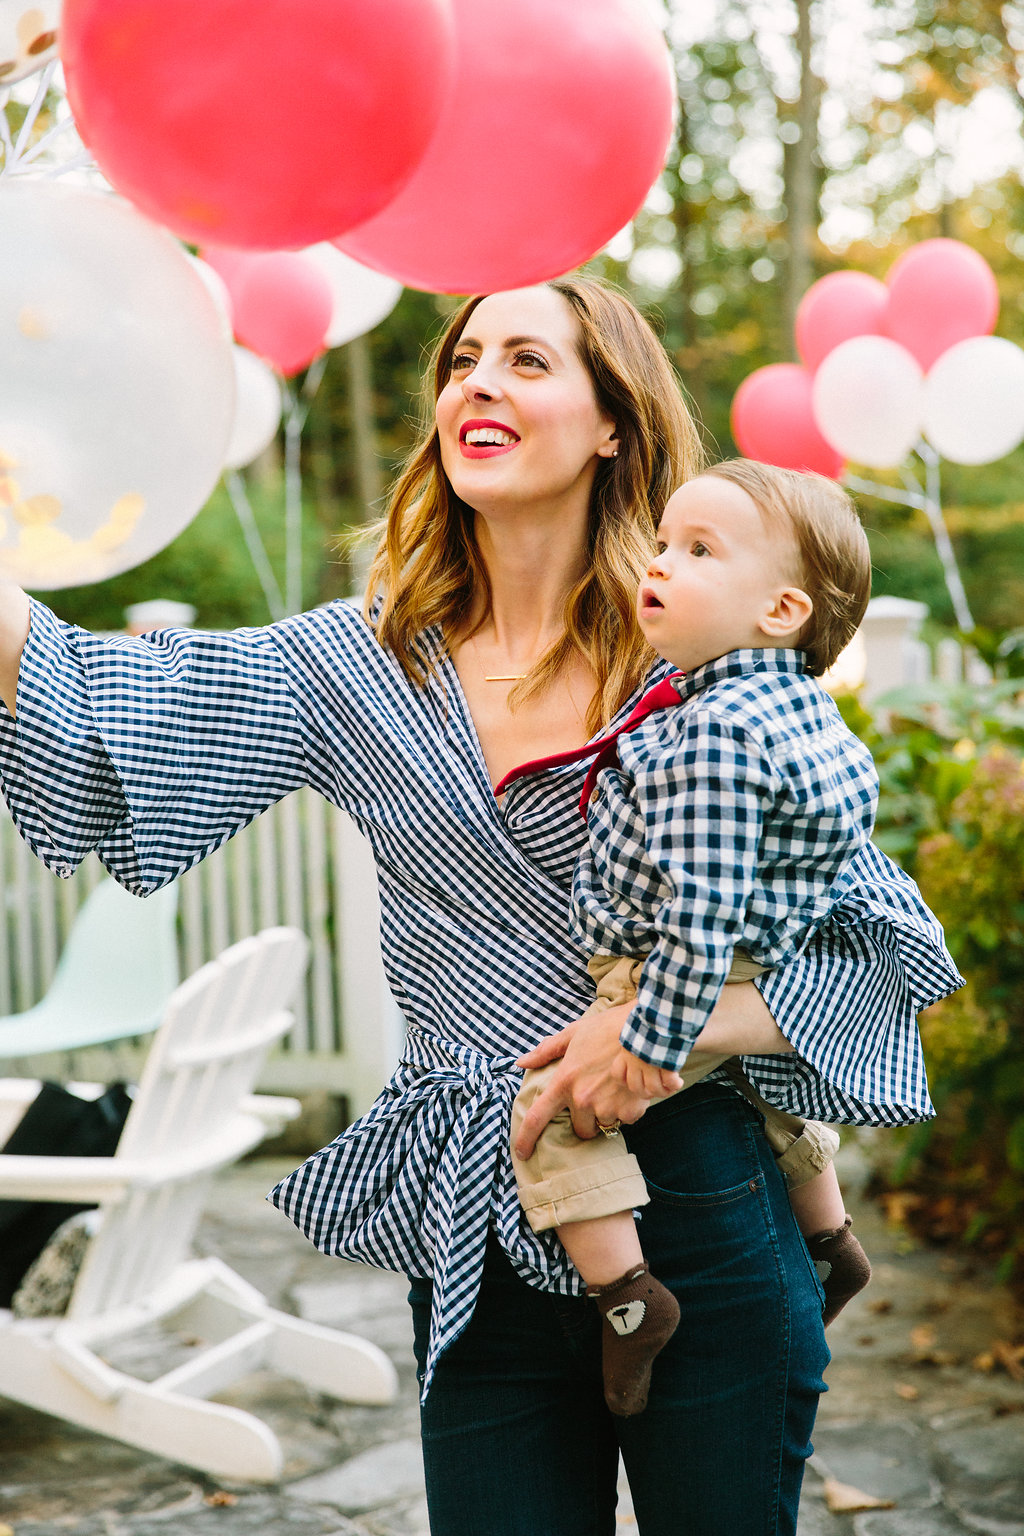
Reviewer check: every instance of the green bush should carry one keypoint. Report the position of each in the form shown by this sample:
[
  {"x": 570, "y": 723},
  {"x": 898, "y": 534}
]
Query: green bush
[{"x": 951, "y": 808}]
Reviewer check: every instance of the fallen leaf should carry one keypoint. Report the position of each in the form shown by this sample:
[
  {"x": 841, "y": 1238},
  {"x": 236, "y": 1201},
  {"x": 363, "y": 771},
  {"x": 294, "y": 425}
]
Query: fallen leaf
[
  {"x": 1010, "y": 1357},
  {"x": 898, "y": 1204},
  {"x": 1001, "y": 1410},
  {"x": 985, "y": 1361},
  {"x": 907, "y": 1392},
  {"x": 221, "y": 1500},
  {"x": 841, "y": 1499},
  {"x": 883, "y": 1304},
  {"x": 923, "y": 1337},
  {"x": 866, "y": 1339}
]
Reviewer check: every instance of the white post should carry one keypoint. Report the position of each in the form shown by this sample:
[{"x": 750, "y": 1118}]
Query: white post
[{"x": 895, "y": 655}]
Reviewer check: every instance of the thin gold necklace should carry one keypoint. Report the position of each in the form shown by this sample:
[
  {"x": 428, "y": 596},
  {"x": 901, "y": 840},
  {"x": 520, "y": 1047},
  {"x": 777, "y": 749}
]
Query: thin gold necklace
[{"x": 511, "y": 677}]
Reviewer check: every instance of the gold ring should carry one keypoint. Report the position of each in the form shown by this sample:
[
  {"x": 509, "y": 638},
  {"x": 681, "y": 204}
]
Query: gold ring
[{"x": 610, "y": 1130}]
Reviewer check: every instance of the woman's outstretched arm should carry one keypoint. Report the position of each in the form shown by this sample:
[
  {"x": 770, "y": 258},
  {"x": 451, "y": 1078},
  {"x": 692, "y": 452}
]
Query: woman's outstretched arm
[{"x": 14, "y": 624}]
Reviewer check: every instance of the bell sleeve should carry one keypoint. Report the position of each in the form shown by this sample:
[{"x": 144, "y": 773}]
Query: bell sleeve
[{"x": 152, "y": 750}]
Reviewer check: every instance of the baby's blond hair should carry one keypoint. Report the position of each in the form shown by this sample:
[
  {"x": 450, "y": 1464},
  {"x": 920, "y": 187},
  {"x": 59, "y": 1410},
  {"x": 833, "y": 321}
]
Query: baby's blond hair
[{"x": 834, "y": 558}]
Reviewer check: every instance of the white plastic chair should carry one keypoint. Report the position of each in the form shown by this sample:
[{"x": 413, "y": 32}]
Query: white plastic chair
[
  {"x": 194, "y": 1112},
  {"x": 116, "y": 972}
]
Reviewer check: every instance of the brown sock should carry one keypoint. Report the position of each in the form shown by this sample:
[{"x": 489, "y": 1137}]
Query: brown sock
[
  {"x": 849, "y": 1269},
  {"x": 640, "y": 1316}
]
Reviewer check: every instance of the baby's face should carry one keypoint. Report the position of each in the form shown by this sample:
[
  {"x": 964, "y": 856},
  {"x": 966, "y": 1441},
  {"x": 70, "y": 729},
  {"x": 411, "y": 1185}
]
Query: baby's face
[{"x": 718, "y": 573}]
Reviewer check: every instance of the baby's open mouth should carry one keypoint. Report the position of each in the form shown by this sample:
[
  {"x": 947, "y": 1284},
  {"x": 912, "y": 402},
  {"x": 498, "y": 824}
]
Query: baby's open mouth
[{"x": 648, "y": 600}]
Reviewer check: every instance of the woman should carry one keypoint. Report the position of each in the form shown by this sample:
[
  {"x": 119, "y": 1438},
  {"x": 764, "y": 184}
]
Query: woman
[{"x": 502, "y": 630}]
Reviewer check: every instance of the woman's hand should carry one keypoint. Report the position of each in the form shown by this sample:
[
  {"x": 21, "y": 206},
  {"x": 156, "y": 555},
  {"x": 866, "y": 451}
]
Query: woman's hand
[{"x": 583, "y": 1083}]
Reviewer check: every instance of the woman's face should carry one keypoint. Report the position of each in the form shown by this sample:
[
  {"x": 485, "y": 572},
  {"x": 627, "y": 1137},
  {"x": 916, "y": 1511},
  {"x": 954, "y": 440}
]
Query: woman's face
[{"x": 518, "y": 420}]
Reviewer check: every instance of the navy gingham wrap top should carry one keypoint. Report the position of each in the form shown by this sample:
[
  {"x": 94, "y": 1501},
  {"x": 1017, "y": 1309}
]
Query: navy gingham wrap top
[{"x": 155, "y": 750}]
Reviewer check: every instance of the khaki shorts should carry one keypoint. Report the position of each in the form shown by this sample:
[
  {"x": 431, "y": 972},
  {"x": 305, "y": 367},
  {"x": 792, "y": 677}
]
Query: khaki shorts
[{"x": 568, "y": 1179}]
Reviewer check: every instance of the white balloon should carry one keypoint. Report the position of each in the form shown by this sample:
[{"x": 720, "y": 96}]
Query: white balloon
[
  {"x": 218, "y": 290},
  {"x": 117, "y": 389},
  {"x": 362, "y": 298},
  {"x": 257, "y": 409},
  {"x": 868, "y": 401},
  {"x": 974, "y": 400},
  {"x": 28, "y": 37}
]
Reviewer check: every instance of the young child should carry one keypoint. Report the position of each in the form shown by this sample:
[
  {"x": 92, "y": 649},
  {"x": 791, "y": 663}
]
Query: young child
[{"x": 724, "y": 841}]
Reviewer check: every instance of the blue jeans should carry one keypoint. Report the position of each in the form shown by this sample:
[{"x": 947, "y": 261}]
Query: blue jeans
[{"x": 517, "y": 1440}]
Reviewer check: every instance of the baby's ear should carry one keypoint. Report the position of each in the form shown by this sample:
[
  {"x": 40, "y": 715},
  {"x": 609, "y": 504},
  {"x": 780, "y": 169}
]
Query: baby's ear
[{"x": 787, "y": 614}]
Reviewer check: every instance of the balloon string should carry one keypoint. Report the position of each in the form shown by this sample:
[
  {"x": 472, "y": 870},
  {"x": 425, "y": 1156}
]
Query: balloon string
[
  {"x": 929, "y": 501},
  {"x": 293, "y": 501},
  {"x": 81, "y": 161},
  {"x": 297, "y": 405},
  {"x": 254, "y": 543},
  {"x": 35, "y": 107},
  {"x": 5, "y": 133},
  {"x": 42, "y": 145},
  {"x": 906, "y": 498},
  {"x": 943, "y": 543}
]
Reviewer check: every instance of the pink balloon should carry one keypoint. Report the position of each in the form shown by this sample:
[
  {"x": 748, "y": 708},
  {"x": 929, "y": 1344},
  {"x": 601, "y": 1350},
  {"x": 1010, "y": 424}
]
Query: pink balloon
[
  {"x": 226, "y": 262},
  {"x": 836, "y": 307},
  {"x": 556, "y": 127},
  {"x": 229, "y": 264},
  {"x": 268, "y": 125},
  {"x": 282, "y": 309},
  {"x": 773, "y": 420},
  {"x": 940, "y": 292}
]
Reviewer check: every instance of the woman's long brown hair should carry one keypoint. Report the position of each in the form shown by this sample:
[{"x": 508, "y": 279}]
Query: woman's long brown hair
[{"x": 427, "y": 568}]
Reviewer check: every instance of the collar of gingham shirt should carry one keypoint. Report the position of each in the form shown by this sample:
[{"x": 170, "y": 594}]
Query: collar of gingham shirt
[{"x": 155, "y": 750}]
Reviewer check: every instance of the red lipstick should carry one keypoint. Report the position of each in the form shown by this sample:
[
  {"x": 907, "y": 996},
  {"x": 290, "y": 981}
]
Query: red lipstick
[{"x": 486, "y": 449}]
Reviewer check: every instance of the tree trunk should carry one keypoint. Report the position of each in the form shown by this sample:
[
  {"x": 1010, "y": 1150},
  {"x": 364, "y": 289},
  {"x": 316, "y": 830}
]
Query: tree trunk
[
  {"x": 368, "y": 477},
  {"x": 801, "y": 174}
]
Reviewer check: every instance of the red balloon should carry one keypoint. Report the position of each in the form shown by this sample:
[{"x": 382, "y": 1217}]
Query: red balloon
[
  {"x": 555, "y": 129},
  {"x": 773, "y": 420},
  {"x": 940, "y": 292},
  {"x": 835, "y": 308},
  {"x": 262, "y": 125},
  {"x": 282, "y": 307}
]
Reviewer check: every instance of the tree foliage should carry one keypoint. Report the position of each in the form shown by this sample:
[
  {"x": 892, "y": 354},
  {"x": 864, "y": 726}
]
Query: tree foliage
[{"x": 812, "y": 134}]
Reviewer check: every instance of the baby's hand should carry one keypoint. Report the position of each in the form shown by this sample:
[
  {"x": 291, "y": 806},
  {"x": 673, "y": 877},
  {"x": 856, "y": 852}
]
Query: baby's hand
[{"x": 641, "y": 1078}]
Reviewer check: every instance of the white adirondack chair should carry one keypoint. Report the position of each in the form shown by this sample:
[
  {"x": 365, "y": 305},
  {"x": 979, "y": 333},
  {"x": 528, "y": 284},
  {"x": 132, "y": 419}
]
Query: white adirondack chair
[{"x": 193, "y": 1113}]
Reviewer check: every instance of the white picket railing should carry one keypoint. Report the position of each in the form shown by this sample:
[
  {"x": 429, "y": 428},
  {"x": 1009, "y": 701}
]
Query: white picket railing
[{"x": 301, "y": 863}]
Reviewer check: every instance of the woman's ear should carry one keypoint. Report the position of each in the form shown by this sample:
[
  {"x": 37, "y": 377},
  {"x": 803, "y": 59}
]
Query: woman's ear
[
  {"x": 786, "y": 616},
  {"x": 609, "y": 449}
]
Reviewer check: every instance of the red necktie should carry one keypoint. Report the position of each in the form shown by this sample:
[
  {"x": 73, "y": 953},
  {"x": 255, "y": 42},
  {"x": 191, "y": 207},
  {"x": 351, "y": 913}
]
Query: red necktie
[{"x": 606, "y": 749}]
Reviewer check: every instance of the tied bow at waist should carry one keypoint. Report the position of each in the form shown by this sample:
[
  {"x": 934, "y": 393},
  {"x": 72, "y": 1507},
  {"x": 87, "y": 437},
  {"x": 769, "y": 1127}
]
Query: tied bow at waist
[{"x": 422, "y": 1173}]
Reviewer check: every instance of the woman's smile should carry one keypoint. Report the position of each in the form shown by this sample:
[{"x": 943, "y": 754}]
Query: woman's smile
[{"x": 481, "y": 438}]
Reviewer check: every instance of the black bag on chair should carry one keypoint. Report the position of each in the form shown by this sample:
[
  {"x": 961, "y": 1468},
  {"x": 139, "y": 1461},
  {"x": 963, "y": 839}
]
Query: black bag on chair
[{"x": 56, "y": 1124}]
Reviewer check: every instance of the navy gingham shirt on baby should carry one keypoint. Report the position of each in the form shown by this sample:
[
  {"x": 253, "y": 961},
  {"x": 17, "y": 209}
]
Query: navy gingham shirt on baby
[
  {"x": 155, "y": 750},
  {"x": 741, "y": 817}
]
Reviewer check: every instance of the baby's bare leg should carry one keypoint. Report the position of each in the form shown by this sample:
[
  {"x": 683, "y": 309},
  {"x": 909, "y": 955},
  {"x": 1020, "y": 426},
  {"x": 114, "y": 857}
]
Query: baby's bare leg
[
  {"x": 639, "y": 1314},
  {"x": 821, "y": 1216},
  {"x": 603, "y": 1248},
  {"x": 818, "y": 1205}
]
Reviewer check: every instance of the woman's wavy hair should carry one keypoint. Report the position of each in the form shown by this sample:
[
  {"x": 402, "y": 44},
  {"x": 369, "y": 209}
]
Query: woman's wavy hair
[{"x": 427, "y": 568}]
